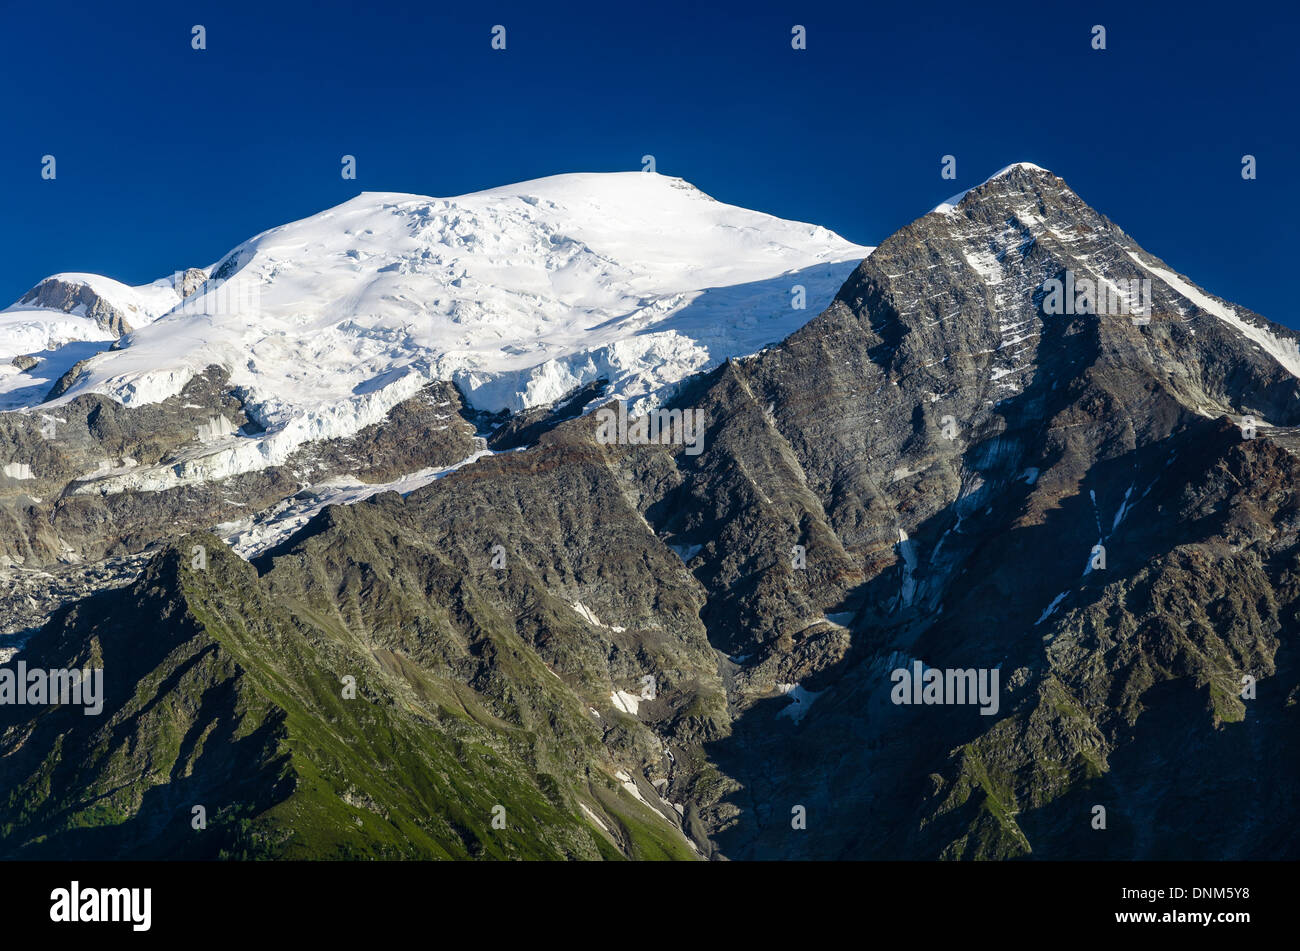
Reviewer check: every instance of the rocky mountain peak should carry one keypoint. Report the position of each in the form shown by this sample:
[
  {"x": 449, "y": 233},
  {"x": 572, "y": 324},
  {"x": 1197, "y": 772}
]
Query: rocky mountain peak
[
  {"x": 1019, "y": 276},
  {"x": 73, "y": 296}
]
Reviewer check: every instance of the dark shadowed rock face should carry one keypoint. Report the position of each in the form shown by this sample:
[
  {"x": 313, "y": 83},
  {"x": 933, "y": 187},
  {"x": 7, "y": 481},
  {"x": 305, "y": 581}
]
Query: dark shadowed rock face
[{"x": 644, "y": 651}]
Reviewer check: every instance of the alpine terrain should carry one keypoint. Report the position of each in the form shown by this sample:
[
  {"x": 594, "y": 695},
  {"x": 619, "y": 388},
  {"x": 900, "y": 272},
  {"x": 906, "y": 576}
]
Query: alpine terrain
[{"x": 593, "y": 518}]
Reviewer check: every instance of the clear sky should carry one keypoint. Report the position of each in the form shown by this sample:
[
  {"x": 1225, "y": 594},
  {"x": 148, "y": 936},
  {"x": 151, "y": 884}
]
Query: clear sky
[{"x": 167, "y": 157}]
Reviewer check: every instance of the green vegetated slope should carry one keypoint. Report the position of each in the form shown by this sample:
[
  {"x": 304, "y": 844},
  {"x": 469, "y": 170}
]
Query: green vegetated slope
[{"x": 225, "y": 695}]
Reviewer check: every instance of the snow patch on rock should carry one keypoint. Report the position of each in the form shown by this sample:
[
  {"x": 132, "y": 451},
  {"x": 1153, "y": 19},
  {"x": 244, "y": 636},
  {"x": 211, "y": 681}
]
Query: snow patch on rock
[
  {"x": 252, "y": 536},
  {"x": 627, "y": 702},
  {"x": 801, "y": 699}
]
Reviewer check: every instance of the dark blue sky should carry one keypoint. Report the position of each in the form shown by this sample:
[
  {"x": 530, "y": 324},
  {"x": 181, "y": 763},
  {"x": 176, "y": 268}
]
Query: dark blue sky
[{"x": 168, "y": 157}]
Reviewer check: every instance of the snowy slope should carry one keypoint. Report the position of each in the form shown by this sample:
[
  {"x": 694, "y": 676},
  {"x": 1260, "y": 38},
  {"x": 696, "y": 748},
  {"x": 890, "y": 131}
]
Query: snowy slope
[
  {"x": 1284, "y": 351},
  {"x": 519, "y": 294},
  {"x": 58, "y": 337}
]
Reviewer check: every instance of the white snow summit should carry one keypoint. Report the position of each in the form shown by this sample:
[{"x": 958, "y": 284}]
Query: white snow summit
[{"x": 519, "y": 294}]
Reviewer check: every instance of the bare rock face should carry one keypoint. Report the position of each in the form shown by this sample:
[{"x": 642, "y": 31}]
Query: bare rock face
[
  {"x": 57, "y": 294},
  {"x": 190, "y": 281},
  {"x": 25, "y": 362}
]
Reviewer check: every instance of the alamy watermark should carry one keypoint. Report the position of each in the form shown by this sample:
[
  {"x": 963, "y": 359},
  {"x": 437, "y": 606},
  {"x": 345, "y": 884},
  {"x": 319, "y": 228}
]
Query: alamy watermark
[
  {"x": 658, "y": 427},
  {"x": 1123, "y": 298},
  {"x": 929, "y": 685},
  {"x": 232, "y": 297},
  {"x": 35, "y": 686},
  {"x": 78, "y": 903}
]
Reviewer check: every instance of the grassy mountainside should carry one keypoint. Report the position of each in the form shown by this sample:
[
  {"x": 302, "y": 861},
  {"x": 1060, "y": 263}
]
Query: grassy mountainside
[{"x": 218, "y": 695}]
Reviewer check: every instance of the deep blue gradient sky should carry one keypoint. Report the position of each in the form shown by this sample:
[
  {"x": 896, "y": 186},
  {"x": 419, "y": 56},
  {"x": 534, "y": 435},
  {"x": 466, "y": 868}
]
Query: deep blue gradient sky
[{"x": 169, "y": 157}]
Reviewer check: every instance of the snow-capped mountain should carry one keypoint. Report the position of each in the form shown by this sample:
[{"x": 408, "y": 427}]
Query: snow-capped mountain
[
  {"x": 519, "y": 294},
  {"x": 974, "y": 479},
  {"x": 992, "y": 247},
  {"x": 68, "y": 317}
]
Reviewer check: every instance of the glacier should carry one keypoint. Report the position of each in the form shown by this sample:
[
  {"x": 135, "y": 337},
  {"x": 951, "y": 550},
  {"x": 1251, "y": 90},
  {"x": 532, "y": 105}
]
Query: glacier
[{"x": 518, "y": 294}]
